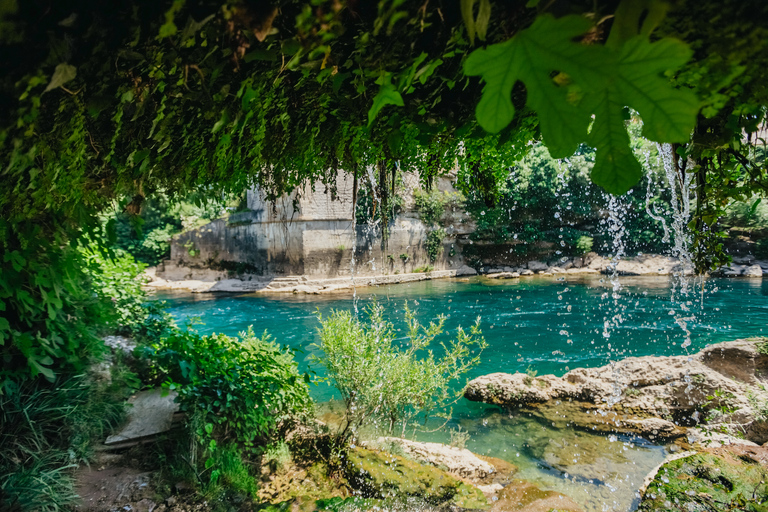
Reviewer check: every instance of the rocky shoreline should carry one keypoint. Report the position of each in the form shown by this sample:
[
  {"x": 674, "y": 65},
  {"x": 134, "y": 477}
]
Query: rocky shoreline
[
  {"x": 721, "y": 390},
  {"x": 203, "y": 280}
]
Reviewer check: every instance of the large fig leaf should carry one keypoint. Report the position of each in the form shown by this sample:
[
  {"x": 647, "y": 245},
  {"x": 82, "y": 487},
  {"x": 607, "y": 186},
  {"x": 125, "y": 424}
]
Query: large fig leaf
[{"x": 569, "y": 82}]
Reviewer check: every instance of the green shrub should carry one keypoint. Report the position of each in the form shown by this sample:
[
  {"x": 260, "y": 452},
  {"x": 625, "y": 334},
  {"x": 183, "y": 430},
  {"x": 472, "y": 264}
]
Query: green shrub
[
  {"x": 381, "y": 379},
  {"x": 434, "y": 243},
  {"x": 584, "y": 245},
  {"x": 118, "y": 281},
  {"x": 431, "y": 205},
  {"x": 248, "y": 389}
]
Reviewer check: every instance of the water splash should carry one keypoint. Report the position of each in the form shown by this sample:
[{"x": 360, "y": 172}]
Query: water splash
[{"x": 682, "y": 195}]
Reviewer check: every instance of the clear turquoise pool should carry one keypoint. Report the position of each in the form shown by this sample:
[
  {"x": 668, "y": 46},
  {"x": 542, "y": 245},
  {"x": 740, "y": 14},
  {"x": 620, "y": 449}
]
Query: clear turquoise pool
[{"x": 549, "y": 324}]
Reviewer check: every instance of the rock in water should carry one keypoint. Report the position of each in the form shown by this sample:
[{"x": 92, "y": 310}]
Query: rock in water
[
  {"x": 649, "y": 396},
  {"x": 722, "y": 479},
  {"x": 526, "y": 497}
]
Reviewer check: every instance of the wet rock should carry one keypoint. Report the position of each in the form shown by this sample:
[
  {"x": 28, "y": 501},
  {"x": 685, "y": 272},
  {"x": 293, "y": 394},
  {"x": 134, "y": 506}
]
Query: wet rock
[
  {"x": 459, "y": 462},
  {"x": 753, "y": 271},
  {"x": 728, "y": 478},
  {"x": 525, "y": 496},
  {"x": 377, "y": 474},
  {"x": 526, "y": 272},
  {"x": 537, "y": 265},
  {"x": 503, "y": 275},
  {"x": 465, "y": 270},
  {"x": 648, "y": 395}
]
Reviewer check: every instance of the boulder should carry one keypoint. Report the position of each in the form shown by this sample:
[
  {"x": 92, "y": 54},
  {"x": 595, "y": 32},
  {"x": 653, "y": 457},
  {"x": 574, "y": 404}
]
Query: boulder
[
  {"x": 527, "y": 497},
  {"x": 537, "y": 265},
  {"x": 378, "y": 474},
  {"x": 526, "y": 272},
  {"x": 456, "y": 461},
  {"x": 647, "y": 395},
  {"x": 503, "y": 275},
  {"x": 753, "y": 271},
  {"x": 727, "y": 478},
  {"x": 466, "y": 270}
]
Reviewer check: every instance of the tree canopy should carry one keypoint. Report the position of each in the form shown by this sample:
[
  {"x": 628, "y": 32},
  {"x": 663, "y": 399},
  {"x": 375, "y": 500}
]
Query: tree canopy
[{"x": 106, "y": 99}]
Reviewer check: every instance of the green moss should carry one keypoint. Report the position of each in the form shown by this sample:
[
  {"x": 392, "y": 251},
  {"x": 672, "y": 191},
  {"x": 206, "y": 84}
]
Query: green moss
[
  {"x": 705, "y": 482},
  {"x": 382, "y": 475}
]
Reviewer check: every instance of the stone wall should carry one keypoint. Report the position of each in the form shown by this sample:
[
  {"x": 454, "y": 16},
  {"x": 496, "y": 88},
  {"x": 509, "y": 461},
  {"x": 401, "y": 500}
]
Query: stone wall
[{"x": 311, "y": 232}]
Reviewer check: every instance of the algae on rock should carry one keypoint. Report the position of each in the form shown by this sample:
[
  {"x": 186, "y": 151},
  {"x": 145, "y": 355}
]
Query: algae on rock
[
  {"x": 377, "y": 474},
  {"x": 713, "y": 481}
]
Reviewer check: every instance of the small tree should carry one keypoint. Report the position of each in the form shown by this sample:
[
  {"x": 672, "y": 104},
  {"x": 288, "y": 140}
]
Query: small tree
[{"x": 382, "y": 379}]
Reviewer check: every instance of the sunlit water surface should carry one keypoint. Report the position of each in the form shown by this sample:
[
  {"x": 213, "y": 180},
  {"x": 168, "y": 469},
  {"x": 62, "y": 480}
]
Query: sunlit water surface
[{"x": 549, "y": 325}]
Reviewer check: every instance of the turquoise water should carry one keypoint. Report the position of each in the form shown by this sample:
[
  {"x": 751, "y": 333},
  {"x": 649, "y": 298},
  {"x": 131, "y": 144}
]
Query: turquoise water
[{"x": 549, "y": 325}]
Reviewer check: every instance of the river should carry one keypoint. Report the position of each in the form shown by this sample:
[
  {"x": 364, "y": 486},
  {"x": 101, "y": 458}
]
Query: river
[{"x": 542, "y": 324}]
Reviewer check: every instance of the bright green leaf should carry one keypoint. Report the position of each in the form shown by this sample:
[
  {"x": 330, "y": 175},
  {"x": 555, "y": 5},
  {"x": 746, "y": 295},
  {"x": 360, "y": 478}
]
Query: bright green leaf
[{"x": 387, "y": 95}]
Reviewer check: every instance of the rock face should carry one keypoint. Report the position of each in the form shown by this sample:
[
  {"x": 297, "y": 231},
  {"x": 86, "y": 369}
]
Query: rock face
[{"x": 650, "y": 396}]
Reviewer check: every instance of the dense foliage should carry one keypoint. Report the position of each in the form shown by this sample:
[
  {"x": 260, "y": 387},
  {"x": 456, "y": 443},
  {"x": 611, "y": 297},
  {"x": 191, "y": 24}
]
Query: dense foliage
[
  {"x": 384, "y": 380},
  {"x": 550, "y": 208},
  {"x": 124, "y": 99},
  {"x": 246, "y": 388}
]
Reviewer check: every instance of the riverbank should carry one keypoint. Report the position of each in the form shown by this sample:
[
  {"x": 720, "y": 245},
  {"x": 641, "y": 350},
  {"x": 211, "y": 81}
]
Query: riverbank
[{"x": 204, "y": 280}]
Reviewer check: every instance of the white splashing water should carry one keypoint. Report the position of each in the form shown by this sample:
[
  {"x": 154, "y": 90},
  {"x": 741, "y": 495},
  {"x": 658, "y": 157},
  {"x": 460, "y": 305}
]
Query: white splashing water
[
  {"x": 615, "y": 315},
  {"x": 682, "y": 195}
]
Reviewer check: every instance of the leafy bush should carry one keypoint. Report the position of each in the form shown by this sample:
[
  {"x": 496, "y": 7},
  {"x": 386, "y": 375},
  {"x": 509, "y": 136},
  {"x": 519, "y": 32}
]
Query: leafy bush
[
  {"x": 380, "y": 379},
  {"x": 247, "y": 389},
  {"x": 434, "y": 243},
  {"x": 117, "y": 280},
  {"x": 47, "y": 308},
  {"x": 584, "y": 244},
  {"x": 431, "y": 205}
]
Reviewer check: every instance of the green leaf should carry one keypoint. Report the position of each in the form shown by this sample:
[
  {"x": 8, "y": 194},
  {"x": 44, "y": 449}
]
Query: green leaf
[
  {"x": 208, "y": 428},
  {"x": 616, "y": 168},
  {"x": 589, "y": 80},
  {"x": 61, "y": 75},
  {"x": 483, "y": 17},
  {"x": 469, "y": 18},
  {"x": 387, "y": 95},
  {"x": 476, "y": 26},
  {"x": 531, "y": 56},
  {"x": 669, "y": 114}
]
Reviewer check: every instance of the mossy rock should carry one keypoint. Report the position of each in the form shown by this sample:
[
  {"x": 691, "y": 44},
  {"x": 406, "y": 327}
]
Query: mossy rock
[
  {"x": 524, "y": 496},
  {"x": 708, "y": 482},
  {"x": 302, "y": 485},
  {"x": 377, "y": 474}
]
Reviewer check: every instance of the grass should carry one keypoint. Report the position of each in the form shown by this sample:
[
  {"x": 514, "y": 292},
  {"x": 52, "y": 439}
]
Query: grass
[{"x": 48, "y": 428}]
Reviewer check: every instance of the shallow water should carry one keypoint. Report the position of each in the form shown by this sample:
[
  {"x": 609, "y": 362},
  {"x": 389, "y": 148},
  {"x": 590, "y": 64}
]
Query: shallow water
[{"x": 549, "y": 325}]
